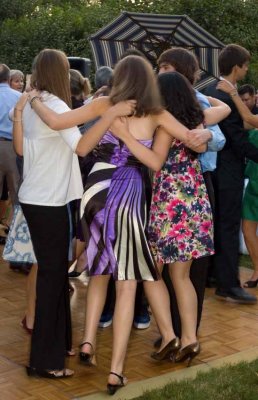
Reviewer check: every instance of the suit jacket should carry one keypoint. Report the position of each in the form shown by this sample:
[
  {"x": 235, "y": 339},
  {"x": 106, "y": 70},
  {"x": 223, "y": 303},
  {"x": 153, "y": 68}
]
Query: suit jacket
[{"x": 231, "y": 159}]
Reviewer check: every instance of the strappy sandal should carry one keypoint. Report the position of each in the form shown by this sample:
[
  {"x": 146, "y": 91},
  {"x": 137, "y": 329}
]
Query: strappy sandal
[
  {"x": 251, "y": 284},
  {"x": 86, "y": 358},
  {"x": 55, "y": 374},
  {"x": 111, "y": 388}
]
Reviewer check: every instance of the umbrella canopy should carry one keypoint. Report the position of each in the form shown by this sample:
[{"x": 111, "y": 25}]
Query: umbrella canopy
[{"x": 154, "y": 33}]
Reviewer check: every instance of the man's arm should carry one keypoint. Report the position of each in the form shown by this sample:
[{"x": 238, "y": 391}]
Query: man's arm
[{"x": 232, "y": 128}]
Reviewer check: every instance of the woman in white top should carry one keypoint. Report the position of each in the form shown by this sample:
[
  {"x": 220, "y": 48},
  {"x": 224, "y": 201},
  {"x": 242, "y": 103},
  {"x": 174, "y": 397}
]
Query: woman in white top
[{"x": 51, "y": 180}]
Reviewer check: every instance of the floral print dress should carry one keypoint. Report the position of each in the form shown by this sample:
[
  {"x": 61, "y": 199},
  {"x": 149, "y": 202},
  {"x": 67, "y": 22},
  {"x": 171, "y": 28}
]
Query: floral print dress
[{"x": 180, "y": 226}]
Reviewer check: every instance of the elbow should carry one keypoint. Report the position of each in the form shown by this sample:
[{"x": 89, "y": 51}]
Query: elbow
[
  {"x": 53, "y": 124},
  {"x": 156, "y": 167},
  {"x": 227, "y": 111},
  {"x": 80, "y": 149},
  {"x": 80, "y": 153},
  {"x": 251, "y": 120}
]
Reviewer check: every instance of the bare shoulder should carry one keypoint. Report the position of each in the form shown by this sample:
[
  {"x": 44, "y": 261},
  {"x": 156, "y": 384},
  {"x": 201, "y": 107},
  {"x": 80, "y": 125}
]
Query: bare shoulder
[{"x": 161, "y": 118}]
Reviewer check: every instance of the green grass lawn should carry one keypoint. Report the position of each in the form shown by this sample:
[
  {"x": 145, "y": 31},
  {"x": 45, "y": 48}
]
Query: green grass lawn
[
  {"x": 232, "y": 382},
  {"x": 245, "y": 261}
]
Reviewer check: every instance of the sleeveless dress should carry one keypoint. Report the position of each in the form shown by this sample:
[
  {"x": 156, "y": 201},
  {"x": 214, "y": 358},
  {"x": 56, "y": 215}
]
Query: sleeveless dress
[
  {"x": 114, "y": 216},
  {"x": 250, "y": 201},
  {"x": 180, "y": 227}
]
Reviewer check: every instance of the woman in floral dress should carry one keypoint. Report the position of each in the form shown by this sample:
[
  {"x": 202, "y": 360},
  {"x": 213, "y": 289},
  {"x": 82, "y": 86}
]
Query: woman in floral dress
[{"x": 181, "y": 227}]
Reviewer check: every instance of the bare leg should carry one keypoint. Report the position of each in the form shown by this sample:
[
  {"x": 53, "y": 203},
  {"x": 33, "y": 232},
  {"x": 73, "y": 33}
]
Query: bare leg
[
  {"x": 122, "y": 324},
  {"x": 5, "y": 208},
  {"x": 96, "y": 296},
  {"x": 159, "y": 301},
  {"x": 186, "y": 299},
  {"x": 31, "y": 296},
  {"x": 251, "y": 240}
]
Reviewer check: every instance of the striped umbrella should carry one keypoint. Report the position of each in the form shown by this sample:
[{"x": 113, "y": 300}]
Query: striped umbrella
[{"x": 154, "y": 33}]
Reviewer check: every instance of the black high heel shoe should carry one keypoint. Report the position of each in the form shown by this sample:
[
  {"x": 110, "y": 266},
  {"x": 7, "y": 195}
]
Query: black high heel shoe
[
  {"x": 188, "y": 353},
  {"x": 111, "y": 388},
  {"x": 86, "y": 358},
  {"x": 74, "y": 274},
  {"x": 170, "y": 349}
]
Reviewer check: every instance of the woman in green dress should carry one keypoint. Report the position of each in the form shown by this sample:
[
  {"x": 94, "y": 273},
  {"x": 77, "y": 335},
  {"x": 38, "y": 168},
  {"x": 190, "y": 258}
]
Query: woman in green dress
[{"x": 250, "y": 201}]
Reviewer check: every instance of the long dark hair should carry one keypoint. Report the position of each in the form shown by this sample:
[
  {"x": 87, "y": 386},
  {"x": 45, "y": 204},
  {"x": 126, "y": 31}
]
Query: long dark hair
[{"x": 179, "y": 99}]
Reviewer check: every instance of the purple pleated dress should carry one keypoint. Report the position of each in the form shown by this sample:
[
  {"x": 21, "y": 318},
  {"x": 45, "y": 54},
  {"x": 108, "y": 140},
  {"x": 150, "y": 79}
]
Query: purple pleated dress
[{"x": 113, "y": 214}]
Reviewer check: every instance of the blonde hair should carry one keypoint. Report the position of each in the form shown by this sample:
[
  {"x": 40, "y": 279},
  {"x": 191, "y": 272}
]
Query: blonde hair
[
  {"x": 79, "y": 85},
  {"x": 135, "y": 79},
  {"x": 50, "y": 72}
]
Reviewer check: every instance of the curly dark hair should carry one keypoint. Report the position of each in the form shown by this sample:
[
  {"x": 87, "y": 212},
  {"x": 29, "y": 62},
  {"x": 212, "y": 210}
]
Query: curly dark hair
[{"x": 179, "y": 99}]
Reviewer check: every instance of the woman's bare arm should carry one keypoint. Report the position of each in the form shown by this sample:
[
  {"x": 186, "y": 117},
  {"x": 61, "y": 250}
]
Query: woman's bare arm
[
  {"x": 17, "y": 124},
  {"x": 90, "y": 139},
  {"x": 217, "y": 112},
  {"x": 179, "y": 131},
  {"x": 71, "y": 118},
  {"x": 153, "y": 158}
]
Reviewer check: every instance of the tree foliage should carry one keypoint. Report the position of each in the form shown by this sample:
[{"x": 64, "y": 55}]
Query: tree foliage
[{"x": 27, "y": 26}]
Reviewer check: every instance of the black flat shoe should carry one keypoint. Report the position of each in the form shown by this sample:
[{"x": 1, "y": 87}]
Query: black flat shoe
[
  {"x": 55, "y": 374},
  {"x": 111, "y": 388},
  {"x": 236, "y": 295},
  {"x": 188, "y": 353},
  {"x": 86, "y": 358},
  {"x": 168, "y": 351},
  {"x": 251, "y": 284}
]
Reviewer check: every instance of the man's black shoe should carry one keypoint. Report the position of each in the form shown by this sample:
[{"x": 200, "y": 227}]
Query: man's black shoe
[{"x": 235, "y": 295}]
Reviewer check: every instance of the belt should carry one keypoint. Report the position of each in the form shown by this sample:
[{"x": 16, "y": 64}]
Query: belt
[{"x": 5, "y": 139}]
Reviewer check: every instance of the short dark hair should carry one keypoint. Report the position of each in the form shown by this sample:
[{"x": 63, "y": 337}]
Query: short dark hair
[
  {"x": 4, "y": 73},
  {"x": 232, "y": 55},
  {"x": 250, "y": 89},
  {"x": 184, "y": 61},
  {"x": 179, "y": 99}
]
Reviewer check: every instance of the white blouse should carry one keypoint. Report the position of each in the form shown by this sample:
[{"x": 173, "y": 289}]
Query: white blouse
[{"x": 51, "y": 173}]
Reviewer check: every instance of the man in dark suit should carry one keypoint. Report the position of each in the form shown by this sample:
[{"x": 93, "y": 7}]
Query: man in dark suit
[{"x": 229, "y": 180}]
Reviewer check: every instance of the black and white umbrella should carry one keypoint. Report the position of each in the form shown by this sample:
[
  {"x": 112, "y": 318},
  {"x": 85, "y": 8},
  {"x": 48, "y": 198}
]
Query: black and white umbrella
[{"x": 154, "y": 33}]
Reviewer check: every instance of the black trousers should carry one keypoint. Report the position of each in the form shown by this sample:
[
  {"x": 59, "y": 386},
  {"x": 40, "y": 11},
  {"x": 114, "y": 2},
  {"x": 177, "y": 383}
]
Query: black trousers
[
  {"x": 49, "y": 229},
  {"x": 227, "y": 226},
  {"x": 198, "y": 273}
]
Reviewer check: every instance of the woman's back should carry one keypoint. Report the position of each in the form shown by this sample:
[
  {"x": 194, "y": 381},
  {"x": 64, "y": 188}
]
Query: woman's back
[{"x": 51, "y": 170}]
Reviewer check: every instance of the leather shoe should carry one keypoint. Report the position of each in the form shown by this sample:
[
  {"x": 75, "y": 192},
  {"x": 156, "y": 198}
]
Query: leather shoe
[{"x": 235, "y": 295}]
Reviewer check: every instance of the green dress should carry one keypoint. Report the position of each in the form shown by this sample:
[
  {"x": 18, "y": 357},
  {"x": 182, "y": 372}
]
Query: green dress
[{"x": 250, "y": 201}]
